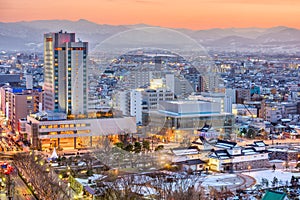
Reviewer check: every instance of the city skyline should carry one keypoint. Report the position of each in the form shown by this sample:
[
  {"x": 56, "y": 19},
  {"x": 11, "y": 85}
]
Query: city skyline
[{"x": 190, "y": 14}]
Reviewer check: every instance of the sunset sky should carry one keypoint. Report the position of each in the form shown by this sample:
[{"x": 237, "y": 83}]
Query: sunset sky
[{"x": 193, "y": 14}]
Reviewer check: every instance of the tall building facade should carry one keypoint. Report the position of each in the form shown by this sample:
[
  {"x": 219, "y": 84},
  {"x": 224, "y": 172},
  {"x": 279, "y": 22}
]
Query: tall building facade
[
  {"x": 21, "y": 102},
  {"x": 180, "y": 86},
  {"x": 209, "y": 83},
  {"x": 65, "y": 71}
]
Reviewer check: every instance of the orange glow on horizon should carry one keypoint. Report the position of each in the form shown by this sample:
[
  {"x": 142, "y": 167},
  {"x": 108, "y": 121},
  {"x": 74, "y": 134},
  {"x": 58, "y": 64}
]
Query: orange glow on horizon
[{"x": 193, "y": 14}]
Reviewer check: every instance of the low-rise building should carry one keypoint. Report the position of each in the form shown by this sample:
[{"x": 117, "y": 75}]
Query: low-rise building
[
  {"x": 179, "y": 121},
  {"x": 49, "y": 130},
  {"x": 20, "y": 103},
  {"x": 228, "y": 156}
]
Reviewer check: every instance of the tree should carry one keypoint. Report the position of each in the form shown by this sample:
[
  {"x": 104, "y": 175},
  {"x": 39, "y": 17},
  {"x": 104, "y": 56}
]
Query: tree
[
  {"x": 120, "y": 145},
  {"x": 251, "y": 133},
  {"x": 258, "y": 186},
  {"x": 146, "y": 145},
  {"x": 298, "y": 166},
  {"x": 129, "y": 147},
  {"x": 294, "y": 181},
  {"x": 264, "y": 133},
  {"x": 265, "y": 182},
  {"x": 137, "y": 147},
  {"x": 159, "y": 148},
  {"x": 115, "y": 157},
  {"x": 243, "y": 131},
  {"x": 275, "y": 181},
  {"x": 41, "y": 177}
]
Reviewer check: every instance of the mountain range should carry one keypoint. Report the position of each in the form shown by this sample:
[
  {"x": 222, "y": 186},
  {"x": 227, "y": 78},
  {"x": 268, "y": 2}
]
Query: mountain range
[{"x": 29, "y": 36}]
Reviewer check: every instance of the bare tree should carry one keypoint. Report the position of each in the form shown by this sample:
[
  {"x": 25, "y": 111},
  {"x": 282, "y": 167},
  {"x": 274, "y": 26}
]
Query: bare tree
[
  {"x": 156, "y": 186},
  {"x": 40, "y": 177}
]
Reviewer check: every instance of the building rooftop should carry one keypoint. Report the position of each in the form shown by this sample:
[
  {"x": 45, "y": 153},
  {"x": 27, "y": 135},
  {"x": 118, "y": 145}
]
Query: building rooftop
[
  {"x": 49, "y": 116},
  {"x": 181, "y": 152},
  {"x": 272, "y": 195},
  {"x": 225, "y": 144}
]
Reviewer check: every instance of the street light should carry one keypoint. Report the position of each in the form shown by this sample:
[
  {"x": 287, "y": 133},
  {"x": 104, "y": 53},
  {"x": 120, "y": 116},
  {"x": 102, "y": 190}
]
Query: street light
[{"x": 60, "y": 176}]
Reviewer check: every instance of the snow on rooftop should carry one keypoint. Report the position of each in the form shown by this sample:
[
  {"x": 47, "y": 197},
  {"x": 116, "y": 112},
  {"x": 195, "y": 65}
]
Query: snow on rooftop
[
  {"x": 182, "y": 152},
  {"x": 224, "y": 157},
  {"x": 248, "y": 150},
  {"x": 260, "y": 144},
  {"x": 282, "y": 150},
  {"x": 279, "y": 150},
  {"x": 224, "y": 145},
  {"x": 276, "y": 161},
  {"x": 84, "y": 181},
  {"x": 250, "y": 153},
  {"x": 222, "y": 153}
]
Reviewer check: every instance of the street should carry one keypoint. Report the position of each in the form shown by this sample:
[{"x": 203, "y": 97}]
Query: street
[{"x": 22, "y": 192}]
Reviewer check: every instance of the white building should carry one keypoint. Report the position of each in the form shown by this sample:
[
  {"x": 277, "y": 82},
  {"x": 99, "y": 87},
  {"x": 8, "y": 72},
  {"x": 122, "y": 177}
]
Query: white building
[
  {"x": 244, "y": 110},
  {"x": 153, "y": 96},
  {"x": 134, "y": 102},
  {"x": 49, "y": 130},
  {"x": 180, "y": 86},
  {"x": 209, "y": 83},
  {"x": 180, "y": 120},
  {"x": 273, "y": 113},
  {"x": 136, "y": 106},
  {"x": 65, "y": 77},
  {"x": 139, "y": 79},
  {"x": 121, "y": 102},
  {"x": 224, "y": 100},
  {"x": 228, "y": 156},
  {"x": 231, "y": 93}
]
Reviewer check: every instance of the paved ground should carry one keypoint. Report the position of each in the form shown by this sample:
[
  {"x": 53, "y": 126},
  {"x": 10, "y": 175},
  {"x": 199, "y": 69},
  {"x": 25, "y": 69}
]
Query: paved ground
[
  {"x": 22, "y": 192},
  {"x": 248, "y": 182},
  {"x": 232, "y": 181}
]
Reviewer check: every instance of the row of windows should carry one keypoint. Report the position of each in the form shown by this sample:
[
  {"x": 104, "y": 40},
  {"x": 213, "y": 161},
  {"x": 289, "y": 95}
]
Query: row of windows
[
  {"x": 64, "y": 125},
  {"x": 65, "y": 132}
]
